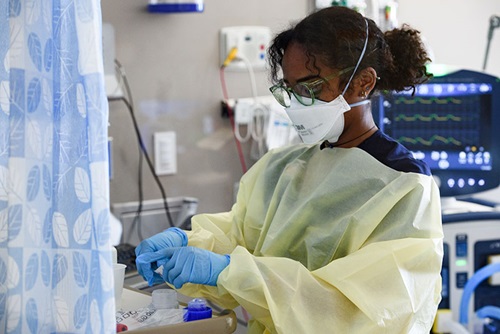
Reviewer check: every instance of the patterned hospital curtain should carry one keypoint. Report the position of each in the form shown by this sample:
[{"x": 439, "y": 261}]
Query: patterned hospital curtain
[{"x": 55, "y": 261}]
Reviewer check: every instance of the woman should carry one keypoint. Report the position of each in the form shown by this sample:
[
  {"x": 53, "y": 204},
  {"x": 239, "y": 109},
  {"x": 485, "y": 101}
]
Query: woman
[{"x": 341, "y": 234}]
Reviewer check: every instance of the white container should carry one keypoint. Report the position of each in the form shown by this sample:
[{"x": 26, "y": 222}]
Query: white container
[{"x": 165, "y": 299}]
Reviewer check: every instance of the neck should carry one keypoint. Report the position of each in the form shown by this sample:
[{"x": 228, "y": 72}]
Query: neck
[{"x": 351, "y": 142}]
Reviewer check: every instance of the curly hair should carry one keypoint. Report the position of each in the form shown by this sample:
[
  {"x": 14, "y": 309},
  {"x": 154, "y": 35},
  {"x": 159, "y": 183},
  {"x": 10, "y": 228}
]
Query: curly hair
[{"x": 335, "y": 36}]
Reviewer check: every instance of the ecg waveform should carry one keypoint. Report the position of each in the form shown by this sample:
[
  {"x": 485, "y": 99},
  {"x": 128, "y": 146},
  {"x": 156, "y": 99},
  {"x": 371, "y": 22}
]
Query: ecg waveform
[
  {"x": 428, "y": 118},
  {"x": 436, "y": 138},
  {"x": 430, "y": 141},
  {"x": 427, "y": 100}
]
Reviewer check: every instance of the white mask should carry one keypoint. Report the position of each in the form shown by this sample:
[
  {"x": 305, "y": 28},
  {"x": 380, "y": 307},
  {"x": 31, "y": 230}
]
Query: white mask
[{"x": 323, "y": 120}]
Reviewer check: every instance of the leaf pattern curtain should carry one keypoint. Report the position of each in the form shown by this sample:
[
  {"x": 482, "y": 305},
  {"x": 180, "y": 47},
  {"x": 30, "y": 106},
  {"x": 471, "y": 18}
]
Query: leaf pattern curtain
[{"x": 55, "y": 261}]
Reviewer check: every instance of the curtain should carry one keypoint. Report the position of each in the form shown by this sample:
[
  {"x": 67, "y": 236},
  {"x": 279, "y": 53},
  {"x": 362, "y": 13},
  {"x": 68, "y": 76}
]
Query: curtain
[{"x": 55, "y": 260}]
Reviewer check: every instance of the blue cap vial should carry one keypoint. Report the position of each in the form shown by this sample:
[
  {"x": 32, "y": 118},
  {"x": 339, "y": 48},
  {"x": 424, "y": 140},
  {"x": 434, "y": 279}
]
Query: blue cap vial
[{"x": 197, "y": 309}]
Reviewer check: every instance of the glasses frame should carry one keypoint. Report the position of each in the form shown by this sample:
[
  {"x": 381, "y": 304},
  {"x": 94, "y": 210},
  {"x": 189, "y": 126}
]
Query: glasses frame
[{"x": 309, "y": 85}]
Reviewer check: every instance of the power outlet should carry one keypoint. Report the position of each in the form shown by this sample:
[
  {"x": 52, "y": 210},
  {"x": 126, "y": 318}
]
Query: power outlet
[{"x": 165, "y": 147}]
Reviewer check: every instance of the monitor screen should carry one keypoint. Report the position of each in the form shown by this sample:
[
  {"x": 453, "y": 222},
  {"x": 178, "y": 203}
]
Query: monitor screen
[{"x": 450, "y": 122}]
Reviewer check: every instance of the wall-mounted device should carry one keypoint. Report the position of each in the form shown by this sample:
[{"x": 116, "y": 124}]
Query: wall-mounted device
[
  {"x": 251, "y": 43},
  {"x": 175, "y": 6}
]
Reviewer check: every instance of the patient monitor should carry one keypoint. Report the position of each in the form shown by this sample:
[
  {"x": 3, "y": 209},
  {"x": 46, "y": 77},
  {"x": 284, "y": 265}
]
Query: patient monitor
[{"x": 452, "y": 122}]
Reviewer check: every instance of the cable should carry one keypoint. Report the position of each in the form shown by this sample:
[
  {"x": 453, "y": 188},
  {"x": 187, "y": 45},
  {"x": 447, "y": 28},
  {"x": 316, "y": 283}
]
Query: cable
[
  {"x": 141, "y": 197},
  {"x": 137, "y": 218},
  {"x": 231, "y": 119},
  {"x": 249, "y": 67},
  {"x": 141, "y": 143}
]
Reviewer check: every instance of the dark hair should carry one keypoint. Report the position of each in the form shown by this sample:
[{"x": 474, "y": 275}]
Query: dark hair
[{"x": 336, "y": 36}]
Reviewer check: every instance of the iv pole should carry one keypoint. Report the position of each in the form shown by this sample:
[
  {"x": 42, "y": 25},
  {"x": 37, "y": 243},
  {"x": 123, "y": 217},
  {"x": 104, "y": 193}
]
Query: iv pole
[{"x": 494, "y": 23}]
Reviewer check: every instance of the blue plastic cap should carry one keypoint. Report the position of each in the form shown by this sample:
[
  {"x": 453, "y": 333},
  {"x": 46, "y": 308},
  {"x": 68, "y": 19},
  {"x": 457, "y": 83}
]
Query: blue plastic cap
[{"x": 197, "y": 309}]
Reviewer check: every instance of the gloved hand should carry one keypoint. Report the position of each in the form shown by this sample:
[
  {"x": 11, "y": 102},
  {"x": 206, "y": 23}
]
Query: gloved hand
[
  {"x": 189, "y": 264},
  {"x": 171, "y": 237}
]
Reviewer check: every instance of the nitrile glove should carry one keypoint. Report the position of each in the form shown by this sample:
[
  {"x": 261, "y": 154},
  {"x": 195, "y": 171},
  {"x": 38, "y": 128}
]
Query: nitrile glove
[
  {"x": 191, "y": 264},
  {"x": 171, "y": 237}
]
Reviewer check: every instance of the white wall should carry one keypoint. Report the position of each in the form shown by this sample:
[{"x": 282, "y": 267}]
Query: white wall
[{"x": 456, "y": 30}]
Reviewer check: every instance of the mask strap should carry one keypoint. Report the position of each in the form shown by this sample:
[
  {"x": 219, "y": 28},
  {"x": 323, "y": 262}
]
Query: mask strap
[
  {"x": 360, "y": 58},
  {"x": 359, "y": 103}
]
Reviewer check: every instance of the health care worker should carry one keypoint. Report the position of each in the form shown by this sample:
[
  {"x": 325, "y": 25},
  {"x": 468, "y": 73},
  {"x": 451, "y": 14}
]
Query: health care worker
[{"x": 341, "y": 234}]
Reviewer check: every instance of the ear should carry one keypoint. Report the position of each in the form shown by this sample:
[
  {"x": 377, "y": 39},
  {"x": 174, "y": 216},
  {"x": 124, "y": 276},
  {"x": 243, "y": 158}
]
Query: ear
[{"x": 364, "y": 82}]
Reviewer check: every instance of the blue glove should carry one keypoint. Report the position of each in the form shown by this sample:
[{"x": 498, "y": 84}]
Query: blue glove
[
  {"x": 190, "y": 264},
  {"x": 171, "y": 237}
]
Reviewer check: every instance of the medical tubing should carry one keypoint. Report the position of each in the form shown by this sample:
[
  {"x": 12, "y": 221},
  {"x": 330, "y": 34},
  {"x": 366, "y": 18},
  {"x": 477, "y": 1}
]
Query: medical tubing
[
  {"x": 492, "y": 312},
  {"x": 259, "y": 143},
  {"x": 249, "y": 133},
  {"x": 137, "y": 218},
  {"x": 471, "y": 285},
  {"x": 237, "y": 133},
  {"x": 150, "y": 164},
  {"x": 141, "y": 143},
  {"x": 359, "y": 60},
  {"x": 258, "y": 120},
  {"x": 231, "y": 119},
  {"x": 251, "y": 74}
]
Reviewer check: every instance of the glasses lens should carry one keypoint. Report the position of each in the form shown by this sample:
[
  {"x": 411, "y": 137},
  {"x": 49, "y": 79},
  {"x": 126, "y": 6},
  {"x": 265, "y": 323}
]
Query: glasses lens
[
  {"x": 281, "y": 95},
  {"x": 304, "y": 93}
]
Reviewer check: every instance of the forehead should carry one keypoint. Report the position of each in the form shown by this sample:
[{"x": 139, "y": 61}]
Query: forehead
[{"x": 297, "y": 65}]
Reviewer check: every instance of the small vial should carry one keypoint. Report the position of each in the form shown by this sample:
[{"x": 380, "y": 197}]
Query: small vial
[
  {"x": 165, "y": 299},
  {"x": 197, "y": 309}
]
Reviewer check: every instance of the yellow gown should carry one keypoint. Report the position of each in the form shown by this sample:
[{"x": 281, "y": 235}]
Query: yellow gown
[{"x": 327, "y": 241}]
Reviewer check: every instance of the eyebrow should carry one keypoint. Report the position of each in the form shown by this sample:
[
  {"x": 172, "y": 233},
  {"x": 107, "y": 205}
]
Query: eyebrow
[{"x": 306, "y": 78}]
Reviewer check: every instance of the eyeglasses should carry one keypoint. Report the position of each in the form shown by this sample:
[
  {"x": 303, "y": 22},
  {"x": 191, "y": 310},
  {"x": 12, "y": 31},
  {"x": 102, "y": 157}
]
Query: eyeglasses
[{"x": 305, "y": 92}]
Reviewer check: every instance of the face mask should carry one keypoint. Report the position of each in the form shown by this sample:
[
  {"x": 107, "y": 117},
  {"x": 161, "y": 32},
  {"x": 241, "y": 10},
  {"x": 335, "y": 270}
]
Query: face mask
[{"x": 323, "y": 120}]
